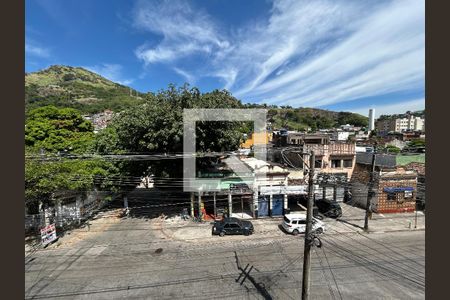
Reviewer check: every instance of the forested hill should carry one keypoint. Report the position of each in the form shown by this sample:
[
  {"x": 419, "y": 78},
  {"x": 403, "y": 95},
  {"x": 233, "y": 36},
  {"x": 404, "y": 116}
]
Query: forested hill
[
  {"x": 65, "y": 86},
  {"x": 313, "y": 118}
]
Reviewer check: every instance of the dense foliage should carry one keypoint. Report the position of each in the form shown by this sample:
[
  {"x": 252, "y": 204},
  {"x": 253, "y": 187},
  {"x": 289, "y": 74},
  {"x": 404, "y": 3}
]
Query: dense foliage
[
  {"x": 392, "y": 149},
  {"x": 304, "y": 118},
  {"x": 157, "y": 127},
  {"x": 44, "y": 178},
  {"x": 419, "y": 113},
  {"x": 53, "y": 129},
  {"x": 416, "y": 143},
  {"x": 50, "y": 134}
]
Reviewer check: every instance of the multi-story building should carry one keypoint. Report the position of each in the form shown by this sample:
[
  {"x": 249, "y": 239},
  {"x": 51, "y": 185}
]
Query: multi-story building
[
  {"x": 334, "y": 162},
  {"x": 411, "y": 123},
  {"x": 331, "y": 156}
]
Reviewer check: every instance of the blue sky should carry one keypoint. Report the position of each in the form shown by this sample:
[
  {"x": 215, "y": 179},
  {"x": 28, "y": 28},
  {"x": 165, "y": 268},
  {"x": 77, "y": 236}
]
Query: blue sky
[{"x": 338, "y": 55}]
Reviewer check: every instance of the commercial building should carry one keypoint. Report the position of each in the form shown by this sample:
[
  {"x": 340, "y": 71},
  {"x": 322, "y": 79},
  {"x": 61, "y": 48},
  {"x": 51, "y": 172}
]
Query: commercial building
[
  {"x": 262, "y": 192},
  {"x": 394, "y": 188}
]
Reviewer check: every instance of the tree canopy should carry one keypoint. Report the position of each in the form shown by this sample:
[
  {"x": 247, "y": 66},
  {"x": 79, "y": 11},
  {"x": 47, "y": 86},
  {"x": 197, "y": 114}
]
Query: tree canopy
[
  {"x": 56, "y": 130},
  {"x": 157, "y": 127}
]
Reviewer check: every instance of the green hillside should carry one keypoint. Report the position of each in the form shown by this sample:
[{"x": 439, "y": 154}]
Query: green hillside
[
  {"x": 419, "y": 113},
  {"x": 75, "y": 87},
  {"x": 302, "y": 118},
  {"x": 65, "y": 86}
]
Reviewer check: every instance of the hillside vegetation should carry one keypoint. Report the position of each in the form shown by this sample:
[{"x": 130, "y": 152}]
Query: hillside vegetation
[
  {"x": 419, "y": 113},
  {"x": 305, "y": 118},
  {"x": 75, "y": 87}
]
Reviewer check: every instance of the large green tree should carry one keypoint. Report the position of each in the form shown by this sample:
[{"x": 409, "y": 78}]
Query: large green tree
[
  {"x": 50, "y": 132},
  {"x": 156, "y": 127},
  {"x": 57, "y": 129}
]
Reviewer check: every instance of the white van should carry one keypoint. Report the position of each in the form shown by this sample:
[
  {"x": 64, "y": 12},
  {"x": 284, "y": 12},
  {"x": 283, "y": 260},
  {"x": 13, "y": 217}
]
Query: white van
[{"x": 296, "y": 223}]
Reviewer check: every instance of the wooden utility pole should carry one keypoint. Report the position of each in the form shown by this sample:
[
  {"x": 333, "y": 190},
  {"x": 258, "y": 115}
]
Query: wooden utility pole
[
  {"x": 308, "y": 236},
  {"x": 370, "y": 193}
]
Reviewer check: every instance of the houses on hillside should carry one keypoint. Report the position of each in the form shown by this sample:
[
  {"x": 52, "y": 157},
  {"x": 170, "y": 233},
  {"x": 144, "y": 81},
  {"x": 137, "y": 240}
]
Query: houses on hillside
[{"x": 100, "y": 120}]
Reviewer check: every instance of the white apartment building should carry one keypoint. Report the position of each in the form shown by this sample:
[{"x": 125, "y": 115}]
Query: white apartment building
[{"x": 403, "y": 124}]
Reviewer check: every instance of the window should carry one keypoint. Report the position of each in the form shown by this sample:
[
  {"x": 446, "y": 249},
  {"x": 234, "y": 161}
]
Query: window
[
  {"x": 294, "y": 222},
  {"x": 335, "y": 163},
  {"x": 235, "y": 226},
  {"x": 408, "y": 194},
  {"x": 227, "y": 226},
  {"x": 348, "y": 163},
  {"x": 391, "y": 196},
  {"x": 302, "y": 222},
  {"x": 318, "y": 164}
]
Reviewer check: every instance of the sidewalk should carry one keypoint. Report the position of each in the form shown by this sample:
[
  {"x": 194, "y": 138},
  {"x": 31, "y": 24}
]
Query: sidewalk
[
  {"x": 352, "y": 221},
  {"x": 95, "y": 226}
]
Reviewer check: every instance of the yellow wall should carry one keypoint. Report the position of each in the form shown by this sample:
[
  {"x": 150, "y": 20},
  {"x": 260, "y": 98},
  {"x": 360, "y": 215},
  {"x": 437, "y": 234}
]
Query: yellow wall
[{"x": 257, "y": 138}]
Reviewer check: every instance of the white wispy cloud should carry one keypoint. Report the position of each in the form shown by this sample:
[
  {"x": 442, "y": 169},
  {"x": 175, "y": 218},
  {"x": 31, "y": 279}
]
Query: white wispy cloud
[
  {"x": 112, "y": 72},
  {"x": 187, "y": 76},
  {"x": 34, "y": 50},
  {"x": 386, "y": 54},
  {"x": 312, "y": 53},
  {"x": 184, "y": 31},
  {"x": 395, "y": 108}
]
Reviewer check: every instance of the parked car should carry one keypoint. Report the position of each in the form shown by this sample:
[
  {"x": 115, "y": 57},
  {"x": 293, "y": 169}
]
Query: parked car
[
  {"x": 232, "y": 226},
  {"x": 296, "y": 223},
  {"x": 329, "y": 208},
  {"x": 303, "y": 201}
]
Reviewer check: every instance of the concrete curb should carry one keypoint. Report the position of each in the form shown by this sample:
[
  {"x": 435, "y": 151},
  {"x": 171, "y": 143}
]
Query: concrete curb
[{"x": 398, "y": 230}]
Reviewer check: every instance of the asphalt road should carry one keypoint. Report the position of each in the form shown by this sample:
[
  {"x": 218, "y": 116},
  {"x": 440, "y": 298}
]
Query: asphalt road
[{"x": 130, "y": 259}]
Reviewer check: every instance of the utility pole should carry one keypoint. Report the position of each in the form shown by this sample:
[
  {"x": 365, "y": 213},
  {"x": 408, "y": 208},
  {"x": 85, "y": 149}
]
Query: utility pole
[
  {"x": 415, "y": 218},
  {"x": 370, "y": 193},
  {"x": 308, "y": 236}
]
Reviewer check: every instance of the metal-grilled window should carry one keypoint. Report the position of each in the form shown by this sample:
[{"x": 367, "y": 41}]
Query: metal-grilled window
[
  {"x": 335, "y": 163},
  {"x": 348, "y": 163},
  {"x": 318, "y": 164},
  {"x": 392, "y": 196}
]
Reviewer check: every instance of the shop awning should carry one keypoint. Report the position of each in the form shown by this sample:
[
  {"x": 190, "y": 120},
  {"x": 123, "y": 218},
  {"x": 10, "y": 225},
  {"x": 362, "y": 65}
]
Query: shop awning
[{"x": 398, "y": 189}]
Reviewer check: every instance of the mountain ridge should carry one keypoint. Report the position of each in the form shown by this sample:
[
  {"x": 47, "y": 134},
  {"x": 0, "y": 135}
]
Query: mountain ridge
[
  {"x": 77, "y": 87},
  {"x": 89, "y": 92}
]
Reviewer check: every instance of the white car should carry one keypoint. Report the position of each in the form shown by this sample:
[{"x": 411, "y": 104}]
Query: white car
[{"x": 296, "y": 223}]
